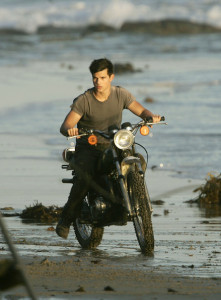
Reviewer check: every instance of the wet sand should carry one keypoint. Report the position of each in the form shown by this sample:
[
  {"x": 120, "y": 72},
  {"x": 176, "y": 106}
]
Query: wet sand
[{"x": 88, "y": 277}]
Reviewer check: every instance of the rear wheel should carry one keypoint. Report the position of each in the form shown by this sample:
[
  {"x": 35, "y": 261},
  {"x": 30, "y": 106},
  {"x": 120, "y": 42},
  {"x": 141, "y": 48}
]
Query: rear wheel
[
  {"x": 140, "y": 201},
  {"x": 88, "y": 236}
]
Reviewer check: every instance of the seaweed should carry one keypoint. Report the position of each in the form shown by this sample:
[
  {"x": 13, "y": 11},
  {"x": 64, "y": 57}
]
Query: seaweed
[
  {"x": 210, "y": 192},
  {"x": 41, "y": 213},
  {"x": 209, "y": 198}
]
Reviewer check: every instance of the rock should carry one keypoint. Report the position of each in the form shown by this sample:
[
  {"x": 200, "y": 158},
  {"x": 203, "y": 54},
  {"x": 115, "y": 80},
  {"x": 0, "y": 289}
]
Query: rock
[
  {"x": 120, "y": 68},
  {"x": 100, "y": 27},
  {"x": 108, "y": 289},
  {"x": 158, "y": 202},
  {"x": 191, "y": 266},
  {"x": 149, "y": 100},
  {"x": 80, "y": 289},
  {"x": 70, "y": 67},
  {"x": 171, "y": 290},
  {"x": 154, "y": 167},
  {"x": 7, "y": 208},
  {"x": 51, "y": 228},
  {"x": 45, "y": 261},
  {"x": 97, "y": 261},
  {"x": 169, "y": 27}
]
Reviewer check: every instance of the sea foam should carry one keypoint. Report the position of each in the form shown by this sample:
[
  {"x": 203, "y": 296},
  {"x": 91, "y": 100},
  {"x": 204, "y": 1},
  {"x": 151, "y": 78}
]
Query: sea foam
[{"x": 29, "y": 16}]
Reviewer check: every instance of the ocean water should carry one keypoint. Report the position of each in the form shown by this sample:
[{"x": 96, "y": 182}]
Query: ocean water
[{"x": 47, "y": 46}]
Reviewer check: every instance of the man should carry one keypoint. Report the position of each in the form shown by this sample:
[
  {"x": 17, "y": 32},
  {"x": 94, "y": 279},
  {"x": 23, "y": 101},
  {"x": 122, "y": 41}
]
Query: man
[{"x": 98, "y": 108}]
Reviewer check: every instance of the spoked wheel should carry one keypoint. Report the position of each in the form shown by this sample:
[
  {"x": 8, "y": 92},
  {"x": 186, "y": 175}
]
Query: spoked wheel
[
  {"x": 140, "y": 200},
  {"x": 88, "y": 236}
]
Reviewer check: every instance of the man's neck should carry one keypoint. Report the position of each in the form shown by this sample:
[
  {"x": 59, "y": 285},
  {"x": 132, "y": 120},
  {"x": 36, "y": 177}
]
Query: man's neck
[{"x": 102, "y": 96}]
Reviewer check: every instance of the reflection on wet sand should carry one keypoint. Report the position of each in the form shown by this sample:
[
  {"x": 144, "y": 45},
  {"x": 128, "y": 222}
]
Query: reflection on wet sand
[{"x": 210, "y": 210}]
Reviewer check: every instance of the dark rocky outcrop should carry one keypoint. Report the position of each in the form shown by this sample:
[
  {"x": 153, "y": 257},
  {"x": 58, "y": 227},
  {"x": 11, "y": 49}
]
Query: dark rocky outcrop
[
  {"x": 169, "y": 27},
  {"x": 120, "y": 68}
]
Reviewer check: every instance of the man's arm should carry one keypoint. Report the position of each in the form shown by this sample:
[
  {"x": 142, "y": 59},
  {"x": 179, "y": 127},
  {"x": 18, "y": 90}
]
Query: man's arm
[
  {"x": 136, "y": 108},
  {"x": 68, "y": 127}
]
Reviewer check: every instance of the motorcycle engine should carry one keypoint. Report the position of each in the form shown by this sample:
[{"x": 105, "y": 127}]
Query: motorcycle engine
[{"x": 99, "y": 208}]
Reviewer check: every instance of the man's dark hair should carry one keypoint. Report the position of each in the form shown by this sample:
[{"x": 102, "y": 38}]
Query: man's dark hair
[{"x": 101, "y": 64}]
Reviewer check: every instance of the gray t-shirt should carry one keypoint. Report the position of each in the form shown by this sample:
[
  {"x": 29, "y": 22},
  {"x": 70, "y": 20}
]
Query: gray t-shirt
[{"x": 101, "y": 115}]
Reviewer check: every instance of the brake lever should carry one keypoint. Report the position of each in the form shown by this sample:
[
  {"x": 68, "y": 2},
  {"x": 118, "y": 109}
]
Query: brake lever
[
  {"x": 160, "y": 123},
  {"x": 76, "y": 136}
]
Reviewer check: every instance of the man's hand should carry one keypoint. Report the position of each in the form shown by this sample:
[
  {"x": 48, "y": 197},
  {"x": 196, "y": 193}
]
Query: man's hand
[
  {"x": 156, "y": 118},
  {"x": 68, "y": 127},
  {"x": 72, "y": 131}
]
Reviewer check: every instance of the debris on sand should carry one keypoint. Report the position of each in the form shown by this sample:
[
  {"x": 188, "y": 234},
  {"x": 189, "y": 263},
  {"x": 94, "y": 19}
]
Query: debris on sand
[
  {"x": 157, "y": 202},
  {"x": 80, "y": 289},
  {"x": 171, "y": 290},
  {"x": 41, "y": 213},
  {"x": 108, "y": 289},
  {"x": 211, "y": 191}
]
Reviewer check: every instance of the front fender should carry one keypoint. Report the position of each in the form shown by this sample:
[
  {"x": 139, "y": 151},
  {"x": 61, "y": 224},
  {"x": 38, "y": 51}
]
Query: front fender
[{"x": 128, "y": 164}]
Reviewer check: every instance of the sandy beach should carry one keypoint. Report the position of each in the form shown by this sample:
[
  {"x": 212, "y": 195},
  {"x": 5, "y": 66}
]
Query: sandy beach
[{"x": 92, "y": 278}]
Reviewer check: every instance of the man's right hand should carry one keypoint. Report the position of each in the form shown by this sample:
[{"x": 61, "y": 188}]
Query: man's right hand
[{"x": 72, "y": 131}]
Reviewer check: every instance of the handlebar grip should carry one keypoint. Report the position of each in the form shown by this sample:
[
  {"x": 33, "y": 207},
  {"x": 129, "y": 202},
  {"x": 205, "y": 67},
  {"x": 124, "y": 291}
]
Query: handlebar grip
[{"x": 150, "y": 120}]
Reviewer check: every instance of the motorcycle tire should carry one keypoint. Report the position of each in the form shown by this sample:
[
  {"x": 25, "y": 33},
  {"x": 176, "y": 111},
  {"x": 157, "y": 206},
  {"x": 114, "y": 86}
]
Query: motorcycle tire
[
  {"x": 88, "y": 236},
  {"x": 140, "y": 202}
]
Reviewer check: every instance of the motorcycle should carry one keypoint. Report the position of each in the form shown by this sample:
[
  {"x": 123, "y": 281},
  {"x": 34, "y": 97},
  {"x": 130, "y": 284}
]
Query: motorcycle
[{"x": 120, "y": 194}]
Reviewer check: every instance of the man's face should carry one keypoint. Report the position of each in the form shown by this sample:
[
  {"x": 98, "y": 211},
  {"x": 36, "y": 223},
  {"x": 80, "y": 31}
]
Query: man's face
[{"x": 102, "y": 81}]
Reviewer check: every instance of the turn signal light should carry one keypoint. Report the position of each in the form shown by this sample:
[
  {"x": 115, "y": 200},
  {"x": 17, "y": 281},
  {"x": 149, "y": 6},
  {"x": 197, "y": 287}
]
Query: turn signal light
[
  {"x": 92, "y": 140},
  {"x": 144, "y": 130}
]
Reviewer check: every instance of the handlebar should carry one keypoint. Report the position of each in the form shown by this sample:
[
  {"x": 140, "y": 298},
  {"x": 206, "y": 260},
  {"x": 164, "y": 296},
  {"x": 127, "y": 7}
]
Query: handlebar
[{"x": 148, "y": 121}]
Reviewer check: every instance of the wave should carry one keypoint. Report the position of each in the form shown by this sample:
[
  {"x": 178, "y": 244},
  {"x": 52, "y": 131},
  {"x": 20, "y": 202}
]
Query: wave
[{"x": 29, "y": 16}]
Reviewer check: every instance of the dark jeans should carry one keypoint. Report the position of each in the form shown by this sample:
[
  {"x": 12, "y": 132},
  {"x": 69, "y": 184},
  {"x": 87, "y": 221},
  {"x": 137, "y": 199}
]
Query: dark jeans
[{"x": 84, "y": 163}]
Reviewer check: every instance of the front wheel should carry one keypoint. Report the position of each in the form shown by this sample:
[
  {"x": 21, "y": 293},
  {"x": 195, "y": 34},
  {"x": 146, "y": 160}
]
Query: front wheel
[
  {"x": 88, "y": 236},
  {"x": 140, "y": 203}
]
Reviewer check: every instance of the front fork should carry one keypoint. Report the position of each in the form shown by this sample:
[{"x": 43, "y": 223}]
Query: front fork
[
  {"x": 121, "y": 179},
  {"x": 127, "y": 164}
]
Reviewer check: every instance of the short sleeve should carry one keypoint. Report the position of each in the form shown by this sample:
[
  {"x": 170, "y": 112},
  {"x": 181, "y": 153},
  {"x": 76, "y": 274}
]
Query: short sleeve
[
  {"x": 126, "y": 96},
  {"x": 78, "y": 105}
]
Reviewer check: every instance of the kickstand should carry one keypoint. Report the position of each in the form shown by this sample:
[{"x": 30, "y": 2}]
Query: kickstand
[{"x": 15, "y": 269}]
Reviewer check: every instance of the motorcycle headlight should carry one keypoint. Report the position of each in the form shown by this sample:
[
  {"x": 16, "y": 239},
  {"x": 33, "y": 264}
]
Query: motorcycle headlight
[{"x": 123, "y": 139}]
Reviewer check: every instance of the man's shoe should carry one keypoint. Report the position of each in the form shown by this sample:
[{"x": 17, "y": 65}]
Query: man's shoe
[{"x": 62, "y": 229}]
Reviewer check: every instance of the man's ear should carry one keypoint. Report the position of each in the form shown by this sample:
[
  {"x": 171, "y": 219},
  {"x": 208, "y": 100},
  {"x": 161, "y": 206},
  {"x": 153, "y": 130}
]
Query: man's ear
[{"x": 112, "y": 77}]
